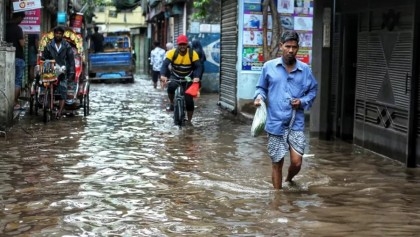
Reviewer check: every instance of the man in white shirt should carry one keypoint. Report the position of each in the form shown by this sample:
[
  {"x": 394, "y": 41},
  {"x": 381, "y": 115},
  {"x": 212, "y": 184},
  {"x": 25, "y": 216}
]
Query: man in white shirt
[{"x": 156, "y": 59}]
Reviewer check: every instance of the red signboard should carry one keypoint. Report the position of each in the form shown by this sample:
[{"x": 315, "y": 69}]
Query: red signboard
[
  {"x": 304, "y": 57},
  {"x": 32, "y": 21},
  {"x": 77, "y": 22}
]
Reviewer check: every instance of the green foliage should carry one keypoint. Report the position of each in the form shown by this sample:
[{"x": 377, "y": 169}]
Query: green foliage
[{"x": 200, "y": 7}]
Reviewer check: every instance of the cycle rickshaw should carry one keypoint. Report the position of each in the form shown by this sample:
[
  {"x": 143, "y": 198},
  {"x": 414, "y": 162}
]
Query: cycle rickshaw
[{"x": 43, "y": 95}]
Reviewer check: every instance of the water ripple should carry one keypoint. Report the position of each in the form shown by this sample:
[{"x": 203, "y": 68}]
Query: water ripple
[{"x": 125, "y": 170}]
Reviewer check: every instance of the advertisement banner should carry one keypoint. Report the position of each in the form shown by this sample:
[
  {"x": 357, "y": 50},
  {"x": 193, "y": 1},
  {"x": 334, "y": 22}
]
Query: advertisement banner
[
  {"x": 294, "y": 15},
  {"x": 20, "y": 6},
  {"x": 252, "y": 58},
  {"x": 32, "y": 21},
  {"x": 77, "y": 22}
]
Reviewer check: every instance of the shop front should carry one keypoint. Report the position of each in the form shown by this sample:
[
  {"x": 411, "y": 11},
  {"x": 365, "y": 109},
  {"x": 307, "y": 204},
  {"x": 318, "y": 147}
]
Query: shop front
[{"x": 371, "y": 80}]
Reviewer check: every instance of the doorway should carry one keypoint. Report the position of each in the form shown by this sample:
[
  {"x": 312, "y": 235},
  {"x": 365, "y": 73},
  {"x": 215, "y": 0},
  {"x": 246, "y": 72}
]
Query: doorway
[{"x": 347, "y": 78}]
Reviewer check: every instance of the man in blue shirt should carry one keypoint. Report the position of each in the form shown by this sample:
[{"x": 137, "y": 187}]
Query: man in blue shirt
[{"x": 288, "y": 87}]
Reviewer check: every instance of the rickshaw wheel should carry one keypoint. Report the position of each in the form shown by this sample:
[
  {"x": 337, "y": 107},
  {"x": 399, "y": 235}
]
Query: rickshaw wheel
[
  {"x": 31, "y": 105},
  {"x": 47, "y": 114},
  {"x": 86, "y": 103},
  {"x": 37, "y": 103},
  {"x": 46, "y": 107},
  {"x": 37, "y": 107}
]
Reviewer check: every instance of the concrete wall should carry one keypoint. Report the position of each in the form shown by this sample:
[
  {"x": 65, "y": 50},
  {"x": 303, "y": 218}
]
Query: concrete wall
[
  {"x": 140, "y": 41},
  {"x": 209, "y": 37},
  {"x": 121, "y": 22},
  {"x": 137, "y": 46},
  {"x": 250, "y": 49},
  {"x": 246, "y": 90},
  {"x": 247, "y": 79},
  {"x": 210, "y": 83},
  {"x": 319, "y": 120},
  {"x": 7, "y": 85},
  {"x": 207, "y": 30}
]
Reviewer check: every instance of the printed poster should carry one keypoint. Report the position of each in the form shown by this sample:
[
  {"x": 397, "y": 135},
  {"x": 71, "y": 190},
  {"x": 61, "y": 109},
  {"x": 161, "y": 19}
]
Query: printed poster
[
  {"x": 294, "y": 15},
  {"x": 285, "y": 6},
  {"x": 32, "y": 21},
  {"x": 252, "y": 58}
]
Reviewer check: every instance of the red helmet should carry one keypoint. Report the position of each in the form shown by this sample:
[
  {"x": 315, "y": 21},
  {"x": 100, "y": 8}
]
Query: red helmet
[{"x": 182, "y": 39}]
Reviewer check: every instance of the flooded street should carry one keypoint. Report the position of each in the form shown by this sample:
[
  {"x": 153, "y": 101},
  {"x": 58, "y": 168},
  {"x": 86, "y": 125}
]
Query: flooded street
[{"x": 125, "y": 170}]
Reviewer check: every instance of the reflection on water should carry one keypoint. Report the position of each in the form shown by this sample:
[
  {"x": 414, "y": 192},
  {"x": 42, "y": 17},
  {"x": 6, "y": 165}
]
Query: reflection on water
[{"x": 126, "y": 171}]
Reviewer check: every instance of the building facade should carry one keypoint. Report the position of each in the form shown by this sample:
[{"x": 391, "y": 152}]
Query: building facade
[
  {"x": 132, "y": 21},
  {"x": 41, "y": 17},
  {"x": 167, "y": 19},
  {"x": 366, "y": 60},
  {"x": 370, "y": 75}
]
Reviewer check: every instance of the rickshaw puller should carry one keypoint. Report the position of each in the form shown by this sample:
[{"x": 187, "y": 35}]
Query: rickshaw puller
[{"x": 61, "y": 51}]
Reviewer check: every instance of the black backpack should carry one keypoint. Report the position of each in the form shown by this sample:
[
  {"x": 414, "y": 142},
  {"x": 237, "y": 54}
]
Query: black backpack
[{"x": 190, "y": 52}]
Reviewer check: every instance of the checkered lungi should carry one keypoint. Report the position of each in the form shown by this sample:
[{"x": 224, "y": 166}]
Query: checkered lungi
[
  {"x": 278, "y": 146},
  {"x": 61, "y": 88}
]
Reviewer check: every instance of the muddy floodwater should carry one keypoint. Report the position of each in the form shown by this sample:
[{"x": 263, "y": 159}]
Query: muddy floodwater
[{"x": 125, "y": 170}]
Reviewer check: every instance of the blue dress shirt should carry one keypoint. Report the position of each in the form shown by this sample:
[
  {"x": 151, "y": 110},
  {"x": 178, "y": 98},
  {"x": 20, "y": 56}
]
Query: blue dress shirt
[{"x": 277, "y": 87}]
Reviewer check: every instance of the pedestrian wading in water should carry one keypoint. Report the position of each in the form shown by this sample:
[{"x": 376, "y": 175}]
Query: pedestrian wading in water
[{"x": 288, "y": 88}]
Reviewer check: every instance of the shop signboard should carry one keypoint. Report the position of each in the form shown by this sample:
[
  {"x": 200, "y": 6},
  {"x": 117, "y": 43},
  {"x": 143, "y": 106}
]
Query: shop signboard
[
  {"x": 32, "y": 21},
  {"x": 20, "y": 6}
]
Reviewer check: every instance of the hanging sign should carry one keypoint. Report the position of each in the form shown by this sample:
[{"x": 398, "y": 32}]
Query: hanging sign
[
  {"x": 20, "y": 6},
  {"x": 32, "y": 21},
  {"x": 77, "y": 22}
]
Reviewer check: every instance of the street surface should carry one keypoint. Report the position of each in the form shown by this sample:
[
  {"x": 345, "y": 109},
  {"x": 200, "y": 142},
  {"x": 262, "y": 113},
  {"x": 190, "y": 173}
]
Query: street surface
[{"x": 125, "y": 170}]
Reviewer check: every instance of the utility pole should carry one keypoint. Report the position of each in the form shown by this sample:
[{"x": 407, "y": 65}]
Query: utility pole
[
  {"x": 2, "y": 20},
  {"x": 62, "y": 12}
]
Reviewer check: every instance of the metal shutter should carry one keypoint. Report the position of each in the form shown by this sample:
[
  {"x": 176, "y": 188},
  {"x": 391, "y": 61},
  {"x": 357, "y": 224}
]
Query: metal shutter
[
  {"x": 384, "y": 58},
  {"x": 228, "y": 52},
  {"x": 178, "y": 26}
]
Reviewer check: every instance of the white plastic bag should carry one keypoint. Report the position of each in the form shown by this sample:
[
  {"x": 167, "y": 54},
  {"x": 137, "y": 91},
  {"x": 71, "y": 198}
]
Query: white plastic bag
[
  {"x": 59, "y": 69},
  {"x": 258, "y": 124}
]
